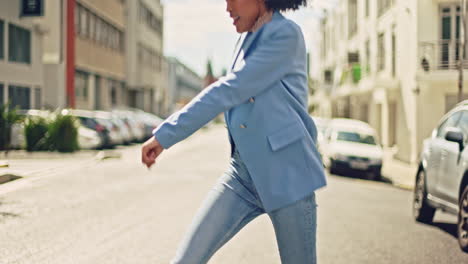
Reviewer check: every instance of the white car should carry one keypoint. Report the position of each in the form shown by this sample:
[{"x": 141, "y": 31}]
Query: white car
[
  {"x": 322, "y": 125},
  {"x": 351, "y": 145},
  {"x": 88, "y": 138}
]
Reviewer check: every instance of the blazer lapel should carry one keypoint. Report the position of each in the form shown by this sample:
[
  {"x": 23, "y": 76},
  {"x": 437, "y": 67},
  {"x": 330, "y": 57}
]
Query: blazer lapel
[
  {"x": 247, "y": 41},
  {"x": 239, "y": 44}
]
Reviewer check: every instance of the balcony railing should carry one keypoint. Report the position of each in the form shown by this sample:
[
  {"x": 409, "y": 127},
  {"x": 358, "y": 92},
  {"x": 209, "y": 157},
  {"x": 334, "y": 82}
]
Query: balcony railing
[{"x": 441, "y": 55}]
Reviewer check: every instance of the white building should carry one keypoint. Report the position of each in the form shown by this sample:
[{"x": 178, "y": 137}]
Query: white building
[
  {"x": 21, "y": 69},
  {"x": 145, "y": 63},
  {"x": 184, "y": 84},
  {"x": 390, "y": 63}
]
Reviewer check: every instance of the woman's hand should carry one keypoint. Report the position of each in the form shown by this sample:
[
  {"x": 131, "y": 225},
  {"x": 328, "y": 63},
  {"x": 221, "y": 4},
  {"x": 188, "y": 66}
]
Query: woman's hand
[{"x": 150, "y": 151}]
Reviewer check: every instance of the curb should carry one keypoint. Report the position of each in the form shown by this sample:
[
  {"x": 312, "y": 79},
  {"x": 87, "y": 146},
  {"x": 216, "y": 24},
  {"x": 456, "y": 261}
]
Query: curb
[
  {"x": 4, "y": 164},
  {"x": 8, "y": 175},
  {"x": 398, "y": 185}
]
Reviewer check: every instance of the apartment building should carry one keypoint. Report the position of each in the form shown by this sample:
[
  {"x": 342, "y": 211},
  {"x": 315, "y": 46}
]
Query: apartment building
[
  {"x": 21, "y": 69},
  {"x": 84, "y": 54},
  {"x": 145, "y": 69},
  {"x": 184, "y": 84},
  {"x": 392, "y": 63}
]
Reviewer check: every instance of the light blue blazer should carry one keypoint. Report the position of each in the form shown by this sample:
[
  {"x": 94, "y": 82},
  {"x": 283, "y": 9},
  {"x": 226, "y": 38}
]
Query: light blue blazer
[{"x": 264, "y": 100}]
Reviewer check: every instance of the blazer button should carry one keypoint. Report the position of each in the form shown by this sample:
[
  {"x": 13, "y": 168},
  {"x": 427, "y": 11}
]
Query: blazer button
[
  {"x": 242, "y": 126},
  {"x": 251, "y": 100}
]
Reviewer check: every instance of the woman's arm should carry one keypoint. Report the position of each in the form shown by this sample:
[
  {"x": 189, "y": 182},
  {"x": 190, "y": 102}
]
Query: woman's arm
[{"x": 268, "y": 63}]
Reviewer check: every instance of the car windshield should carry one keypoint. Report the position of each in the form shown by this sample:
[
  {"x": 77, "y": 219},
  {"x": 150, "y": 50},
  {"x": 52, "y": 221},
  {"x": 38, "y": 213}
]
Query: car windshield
[{"x": 355, "y": 137}]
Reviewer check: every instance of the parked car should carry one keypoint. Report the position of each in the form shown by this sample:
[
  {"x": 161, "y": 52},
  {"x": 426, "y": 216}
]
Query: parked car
[
  {"x": 18, "y": 138},
  {"x": 442, "y": 176},
  {"x": 105, "y": 119},
  {"x": 134, "y": 125},
  {"x": 88, "y": 138},
  {"x": 88, "y": 120},
  {"x": 150, "y": 122},
  {"x": 322, "y": 125},
  {"x": 351, "y": 145}
]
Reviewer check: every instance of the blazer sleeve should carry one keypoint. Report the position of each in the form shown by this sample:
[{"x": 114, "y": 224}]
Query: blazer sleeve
[{"x": 268, "y": 63}]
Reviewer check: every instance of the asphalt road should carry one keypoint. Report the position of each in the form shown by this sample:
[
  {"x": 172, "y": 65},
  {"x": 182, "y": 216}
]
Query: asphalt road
[{"x": 117, "y": 211}]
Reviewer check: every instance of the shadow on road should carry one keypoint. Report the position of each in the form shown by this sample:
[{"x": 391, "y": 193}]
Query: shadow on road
[
  {"x": 5, "y": 215},
  {"x": 360, "y": 175},
  {"x": 450, "y": 229}
]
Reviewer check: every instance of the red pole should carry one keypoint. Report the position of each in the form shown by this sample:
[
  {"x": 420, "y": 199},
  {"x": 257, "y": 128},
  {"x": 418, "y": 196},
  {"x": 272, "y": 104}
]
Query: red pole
[{"x": 70, "y": 53}]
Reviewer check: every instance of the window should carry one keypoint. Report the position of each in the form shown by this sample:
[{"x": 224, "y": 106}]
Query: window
[
  {"x": 368, "y": 57},
  {"x": 83, "y": 21},
  {"x": 352, "y": 19},
  {"x": 81, "y": 85},
  {"x": 147, "y": 17},
  {"x": 1, "y": 40},
  {"x": 19, "y": 96},
  {"x": 92, "y": 27},
  {"x": 1, "y": 94},
  {"x": 393, "y": 55},
  {"x": 463, "y": 124},
  {"x": 328, "y": 76},
  {"x": 367, "y": 8},
  {"x": 113, "y": 89},
  {"x": 19, "y": 44},
  {"x": 451, "y": 121},
  {"x": 381, "y": 52},
  {"x": 449, "y": 49},
  {"x": 37, "y": 98}
]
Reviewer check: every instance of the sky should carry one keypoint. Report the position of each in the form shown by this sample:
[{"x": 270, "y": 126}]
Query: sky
[{"x": 198, "y": 30}]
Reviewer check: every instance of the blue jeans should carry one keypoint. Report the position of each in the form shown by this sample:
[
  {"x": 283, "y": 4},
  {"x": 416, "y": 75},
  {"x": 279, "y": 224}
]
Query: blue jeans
[{"x": 231, "y": 204}]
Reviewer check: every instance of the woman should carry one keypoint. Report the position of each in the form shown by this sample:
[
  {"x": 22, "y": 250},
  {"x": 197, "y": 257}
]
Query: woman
[{"x": 275, "y": 167}]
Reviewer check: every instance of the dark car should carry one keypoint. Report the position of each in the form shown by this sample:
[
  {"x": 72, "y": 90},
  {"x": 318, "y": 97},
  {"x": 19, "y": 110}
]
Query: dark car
[{"x": 442, "y": 177}]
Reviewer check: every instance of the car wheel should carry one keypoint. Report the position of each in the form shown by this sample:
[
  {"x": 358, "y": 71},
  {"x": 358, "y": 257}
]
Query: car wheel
[
  {"x": 422, "y": 211},
  {"x": 377, "y": 175},
  {"x": 332, "y": 167},
  {"x": 463, "y": 220}
]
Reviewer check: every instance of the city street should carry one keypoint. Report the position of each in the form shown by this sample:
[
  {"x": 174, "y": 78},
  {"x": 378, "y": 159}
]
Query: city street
[{"x": 117, "y": 211}]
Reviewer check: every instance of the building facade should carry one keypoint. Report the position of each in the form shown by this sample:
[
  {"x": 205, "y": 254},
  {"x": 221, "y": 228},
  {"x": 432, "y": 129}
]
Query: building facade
[
  {"x": 391, "y": 63},
  {"x": 84, "y": 54},
  {"x": 21, "y": 68},
  {"x": 146, "y": 72},
  {"x": 184, "y": 84}
]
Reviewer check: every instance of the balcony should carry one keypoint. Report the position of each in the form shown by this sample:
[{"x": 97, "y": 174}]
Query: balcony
[{"x": 443, "y": 55}]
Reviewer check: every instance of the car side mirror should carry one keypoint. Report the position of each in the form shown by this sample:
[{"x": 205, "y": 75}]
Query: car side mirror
[{"x": 455, "y": 135}]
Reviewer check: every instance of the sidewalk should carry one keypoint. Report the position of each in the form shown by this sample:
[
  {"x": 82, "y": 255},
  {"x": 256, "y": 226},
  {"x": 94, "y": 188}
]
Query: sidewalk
[
  {"x": 22, "y": 164},
  {"x": 401, "y": 174}
]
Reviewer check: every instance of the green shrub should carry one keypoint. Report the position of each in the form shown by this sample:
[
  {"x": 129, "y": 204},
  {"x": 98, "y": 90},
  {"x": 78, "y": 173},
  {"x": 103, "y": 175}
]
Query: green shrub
[
  {"x": 8, "y": 116},
  {"x": 63, "y": 134},
  {"x": 35, "y": 131}
]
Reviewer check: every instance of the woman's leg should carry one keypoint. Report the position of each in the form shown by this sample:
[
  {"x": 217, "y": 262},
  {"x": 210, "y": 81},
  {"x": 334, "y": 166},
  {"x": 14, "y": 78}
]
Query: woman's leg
[
  {"x": 221, "y": 216},
  {"x": 296, "y": 228}
]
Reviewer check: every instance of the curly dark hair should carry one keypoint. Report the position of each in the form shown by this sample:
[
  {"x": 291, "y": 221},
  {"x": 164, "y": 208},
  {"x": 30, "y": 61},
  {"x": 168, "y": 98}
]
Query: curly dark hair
[{"x": 284, "y": 5}]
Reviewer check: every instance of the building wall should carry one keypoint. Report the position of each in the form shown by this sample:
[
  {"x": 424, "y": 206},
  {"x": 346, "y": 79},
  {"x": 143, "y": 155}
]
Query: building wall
[
  {"x": 145, "y": 56},
  {"x": 28, "y": 75},
  {"x": 53, "y": 54},
  {"x": 102, "y": 60}
]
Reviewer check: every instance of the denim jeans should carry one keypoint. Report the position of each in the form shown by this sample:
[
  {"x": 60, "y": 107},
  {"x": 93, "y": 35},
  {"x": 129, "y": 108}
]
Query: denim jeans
[{"x": 231, "y": 204}]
